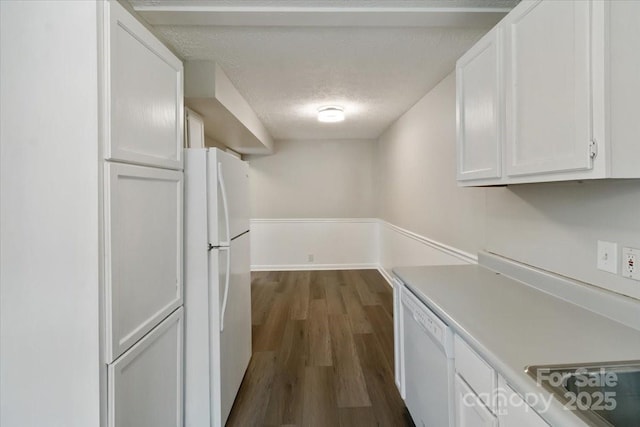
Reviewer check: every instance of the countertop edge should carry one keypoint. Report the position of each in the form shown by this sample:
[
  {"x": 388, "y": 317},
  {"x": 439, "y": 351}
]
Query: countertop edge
[{"x": 556, "y": 414}]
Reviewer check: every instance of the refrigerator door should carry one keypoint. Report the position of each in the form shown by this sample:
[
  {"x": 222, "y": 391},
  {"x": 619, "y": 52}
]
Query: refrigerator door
[
  {"x": 233, "y": 188},
  {"x": 235, "y": 338}
]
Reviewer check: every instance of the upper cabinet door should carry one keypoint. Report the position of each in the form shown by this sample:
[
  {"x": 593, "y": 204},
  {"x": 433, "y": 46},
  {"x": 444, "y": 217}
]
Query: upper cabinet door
[
  {"x": 479, "y": 92},
  {"x": 144, "y": 94},
  {"x": 143, "y": 251},
  {"x": 548, "y": 103}
]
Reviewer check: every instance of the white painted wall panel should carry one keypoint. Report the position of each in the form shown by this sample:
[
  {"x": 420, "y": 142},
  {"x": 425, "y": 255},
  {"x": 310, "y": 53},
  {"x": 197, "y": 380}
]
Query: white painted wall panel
[
  {"x": 284, "y": 244},
  {"x": 400, "y": 248},
  {"x": 334, "y": 243},
  {"x": 49, "y": 200}
]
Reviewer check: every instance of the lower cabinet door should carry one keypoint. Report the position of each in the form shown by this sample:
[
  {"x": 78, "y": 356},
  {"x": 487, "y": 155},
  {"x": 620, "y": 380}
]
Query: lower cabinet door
[
  {"x": 470, "y": 410},
  {"x": 398, "y": 336},
  {"x": 145, "y": 383},
  {"x": 513, "y": 411}
]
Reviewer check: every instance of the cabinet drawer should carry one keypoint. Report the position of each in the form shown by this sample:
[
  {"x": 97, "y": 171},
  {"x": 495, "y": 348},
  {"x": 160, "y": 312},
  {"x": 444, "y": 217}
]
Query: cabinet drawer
[
  {"x": 145, "y": 95},
  {"x": 145, "y": 383},
  {"x": 143, "y": 251},
  {"x": 475, "y": 371}
]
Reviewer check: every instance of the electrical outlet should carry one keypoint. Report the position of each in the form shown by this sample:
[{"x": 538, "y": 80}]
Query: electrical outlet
[
  {"x": 608, "y": 256},
  {"x": 310, "y": 257},
  {"x": 630, "y": 259}
]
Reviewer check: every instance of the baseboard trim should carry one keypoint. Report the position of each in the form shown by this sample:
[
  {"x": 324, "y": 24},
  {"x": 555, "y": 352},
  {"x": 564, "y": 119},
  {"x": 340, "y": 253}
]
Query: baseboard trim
[
  {"x": 387, "y": 276},
  {"x": 449, "y": 250},
  {"x": 303, "y": 267},
  {"x": 441, "y": 247},
  {"x": 313, "y": 220}
]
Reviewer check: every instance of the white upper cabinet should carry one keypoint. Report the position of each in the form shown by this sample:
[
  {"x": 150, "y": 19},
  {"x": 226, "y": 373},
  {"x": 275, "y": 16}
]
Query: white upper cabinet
[
  {"x": 569, "y": 70},
  {"x": 143, "y": 233},
  {"x": 479, "y": 92},
  {"x": 144, "y": 90},
  {"x": 623, "y": 46},
  {"x": 548, "y": 112}
]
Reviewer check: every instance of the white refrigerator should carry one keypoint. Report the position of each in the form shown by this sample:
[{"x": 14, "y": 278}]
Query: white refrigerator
[{"x": 217, "y": 296}]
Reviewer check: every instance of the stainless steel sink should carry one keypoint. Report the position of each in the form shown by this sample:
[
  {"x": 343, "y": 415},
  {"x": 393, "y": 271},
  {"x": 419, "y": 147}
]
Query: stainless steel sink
[{"x": 602, "y": 394}]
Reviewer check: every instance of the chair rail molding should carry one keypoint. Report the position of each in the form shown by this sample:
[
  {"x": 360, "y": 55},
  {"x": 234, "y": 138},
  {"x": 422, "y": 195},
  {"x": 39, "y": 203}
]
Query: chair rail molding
[{"x": 344, "y": 243}]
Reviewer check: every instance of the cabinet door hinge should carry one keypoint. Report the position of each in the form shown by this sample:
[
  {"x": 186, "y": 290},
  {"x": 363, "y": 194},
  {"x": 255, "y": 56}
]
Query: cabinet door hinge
[{"x": 593, "y": 149}]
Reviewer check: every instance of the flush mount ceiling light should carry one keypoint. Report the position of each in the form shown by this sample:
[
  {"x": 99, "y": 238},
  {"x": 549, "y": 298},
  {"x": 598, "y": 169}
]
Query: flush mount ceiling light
[{"x": 330, "y": 114}]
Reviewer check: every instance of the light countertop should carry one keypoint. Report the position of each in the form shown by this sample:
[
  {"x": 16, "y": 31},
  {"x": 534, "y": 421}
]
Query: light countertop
[{"x": 513, "y": 325}]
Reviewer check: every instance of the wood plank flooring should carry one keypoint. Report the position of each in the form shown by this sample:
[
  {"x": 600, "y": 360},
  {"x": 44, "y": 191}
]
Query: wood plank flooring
[{"x": 322, "y": 352}]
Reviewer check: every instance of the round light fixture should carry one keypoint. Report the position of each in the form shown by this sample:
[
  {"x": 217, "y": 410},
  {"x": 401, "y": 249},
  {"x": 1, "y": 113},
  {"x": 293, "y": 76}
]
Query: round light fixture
[{"x": 330, "y": 114}]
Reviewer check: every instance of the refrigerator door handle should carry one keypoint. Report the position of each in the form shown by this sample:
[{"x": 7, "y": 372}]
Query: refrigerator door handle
[
  {"x": 225, "y": 205},
  {"x": 226, "y": 286}
]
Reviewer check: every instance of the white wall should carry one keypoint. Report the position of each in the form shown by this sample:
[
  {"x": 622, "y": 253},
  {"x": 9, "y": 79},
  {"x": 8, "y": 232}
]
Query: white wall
[
  {"x": 399, "y": 247},
  {"x": 553, "y": 226},
  {"x": 313, "y": 198},
  {"x": 416, "y": 175},
  {"x": 332, "y": 243},
  {"x": 556, "y": 226},
  {"x": 339, "y": 243},
  {"x": 49, "y": 279},
  {"x": 314, "y": 179}
]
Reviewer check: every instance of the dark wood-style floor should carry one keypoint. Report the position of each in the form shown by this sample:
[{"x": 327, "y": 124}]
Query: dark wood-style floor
[{"x": 322, "y": 352}]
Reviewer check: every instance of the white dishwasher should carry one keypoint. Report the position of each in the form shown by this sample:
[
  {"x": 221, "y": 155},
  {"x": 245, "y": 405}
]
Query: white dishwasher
[{"x": 428, "y": 364}]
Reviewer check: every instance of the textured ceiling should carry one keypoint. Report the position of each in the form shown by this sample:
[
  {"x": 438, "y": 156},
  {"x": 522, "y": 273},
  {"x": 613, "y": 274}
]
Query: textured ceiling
[{"x": 286, "y": 73}]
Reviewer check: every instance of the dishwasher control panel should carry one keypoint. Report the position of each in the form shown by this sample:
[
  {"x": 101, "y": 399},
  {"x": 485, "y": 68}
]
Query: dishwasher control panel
[{"x": 428, "y": 321}]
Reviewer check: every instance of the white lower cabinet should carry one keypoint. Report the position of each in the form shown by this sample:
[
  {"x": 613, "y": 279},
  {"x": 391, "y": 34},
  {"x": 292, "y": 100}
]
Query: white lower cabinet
[
  {"x": 483, "y": 398},
  {"x": 398, "y": 337},
  {"x": 145, "y": 383},
  {"x": 513, "y": 411},
  {"x": 470, "y": 409},
  {"x": 475, "y": 372}
]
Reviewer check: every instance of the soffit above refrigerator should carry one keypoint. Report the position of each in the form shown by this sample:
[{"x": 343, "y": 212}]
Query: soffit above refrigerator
[{"x": 228, "y": 118}]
